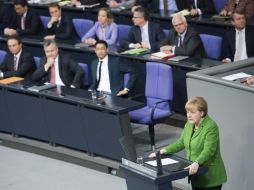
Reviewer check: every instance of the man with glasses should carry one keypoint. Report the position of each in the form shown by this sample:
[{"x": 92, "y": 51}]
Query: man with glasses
[
  {"x": 17, "y": 62},
  {"x": 184, "y": 40},
  {"x": 144, "y": 33}
]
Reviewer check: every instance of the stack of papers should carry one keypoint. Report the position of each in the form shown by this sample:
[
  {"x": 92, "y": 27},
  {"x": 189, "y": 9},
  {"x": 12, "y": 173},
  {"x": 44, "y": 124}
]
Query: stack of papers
[
  {"x": 165, "y": 161},
  {"x": 236, "y": 76},
  {"x": 135, "y": 51},
  {"x": 184, "y": 12},
  {"x": 162, "y": 55}
]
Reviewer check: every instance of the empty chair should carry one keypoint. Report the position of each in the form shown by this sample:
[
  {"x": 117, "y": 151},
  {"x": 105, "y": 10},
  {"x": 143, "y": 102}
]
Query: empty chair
[
  {"x": 82, "y": 26},
  {"x": 123, "y": 31},
  {"x": 2, "y": 54},
  {"x": 85, "y": 69},
  {"x": 44, "y": 20},
  {"x": 212, "y": 45},
  {"x": 37, "y": 61},
  {"x": 159, "y": 94},
  {"x": 219, "y": 4}
]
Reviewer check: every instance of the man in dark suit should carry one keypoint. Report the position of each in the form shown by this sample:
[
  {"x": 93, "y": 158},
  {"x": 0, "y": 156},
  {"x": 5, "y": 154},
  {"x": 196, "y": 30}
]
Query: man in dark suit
[
  {"x": 184, "y": 40},
  {"x": 17, "y": 62},
  {"x": 107, "y": 73},
  {"x": 25, "y": 21},
  {"x": 238, "y": 42},
  {"x": 58, "y": 68},
  {"x": 157, "y": 5},
  {"x": 6, "y": 14},
  {"x": 144, "y": 33},
  {"x": 60, "y": 26}
]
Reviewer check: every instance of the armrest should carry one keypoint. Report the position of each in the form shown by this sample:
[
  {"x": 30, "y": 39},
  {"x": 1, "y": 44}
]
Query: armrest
[{"x": 155, "y": 106}]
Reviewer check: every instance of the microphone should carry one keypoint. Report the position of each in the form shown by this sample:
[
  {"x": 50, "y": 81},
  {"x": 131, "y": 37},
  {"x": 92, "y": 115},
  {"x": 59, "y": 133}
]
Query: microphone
[{"x": 158, "y": 161}]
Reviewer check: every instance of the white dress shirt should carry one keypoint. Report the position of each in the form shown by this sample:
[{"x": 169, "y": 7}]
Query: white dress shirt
[
  {"x": 145, "y": 35},
  {"x": 243, "y": 54},
  {"x": 104, "y": 84},
  {"x": 57, "y": 74}
]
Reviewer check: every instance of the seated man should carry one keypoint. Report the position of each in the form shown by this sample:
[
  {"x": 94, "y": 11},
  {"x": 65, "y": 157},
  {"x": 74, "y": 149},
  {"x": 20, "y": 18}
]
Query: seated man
[
  {"x": 58, "y": 68},
  {"x": 60, "y": 26},
  {"x": 244, "y": 6},
  {"x": 25, "y": 21},
  {"x": 6, "y": 14},
  {"x": 184, "y": 40},
  {"x": 238, "y": 43},
  {"x": 144, "y": 34},
  {"x": 17, "y": 62},
  {"x": 107, "y": 73}
]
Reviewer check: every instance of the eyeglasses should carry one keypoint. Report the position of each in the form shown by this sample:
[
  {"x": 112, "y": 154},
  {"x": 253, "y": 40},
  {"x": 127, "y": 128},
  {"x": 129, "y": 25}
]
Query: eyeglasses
[{"x": 176, "y": 25}]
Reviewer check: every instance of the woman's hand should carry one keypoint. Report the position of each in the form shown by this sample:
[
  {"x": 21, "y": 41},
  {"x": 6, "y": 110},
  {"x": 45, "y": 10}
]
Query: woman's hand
[{"x": 193, "y": 168}]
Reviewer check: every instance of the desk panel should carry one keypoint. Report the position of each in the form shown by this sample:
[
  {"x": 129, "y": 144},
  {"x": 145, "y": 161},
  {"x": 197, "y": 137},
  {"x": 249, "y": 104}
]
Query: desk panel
[
  {"x": 64, "y": 124},
  {"x": 4, "y": 116},
  {"x": 26, "y": 115}
]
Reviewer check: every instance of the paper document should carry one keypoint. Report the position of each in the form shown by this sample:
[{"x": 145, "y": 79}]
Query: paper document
[
  {"x": 236, "y": 76},
  {"x": 184, "y": 12},
  {"x": 165, "y": 161}
]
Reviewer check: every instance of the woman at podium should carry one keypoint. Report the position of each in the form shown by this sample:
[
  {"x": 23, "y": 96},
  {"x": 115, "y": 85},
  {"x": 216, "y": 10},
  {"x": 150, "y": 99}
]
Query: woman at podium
[{"x": 200, "y": 139}]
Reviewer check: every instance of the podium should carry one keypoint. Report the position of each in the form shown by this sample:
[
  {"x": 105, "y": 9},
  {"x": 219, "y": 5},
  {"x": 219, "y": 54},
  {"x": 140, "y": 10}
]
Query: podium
[{"x": 145, "y": 176}]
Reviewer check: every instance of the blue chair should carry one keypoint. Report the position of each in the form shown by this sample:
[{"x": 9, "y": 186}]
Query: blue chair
[
  {"x": 159, "y": 94},
  {"x": 82, "y": 26},
  {"x": 2, "y": 55},
  {"x": 167, "y": 32},
  {"x": 212, "y": 45},
  {"x": 44, "y": 20},
  {"x": 123, "y": 31},
  {"x": 37, "y": 61},
  {"x": 219, "y": 4},
  {"x": 85, "y": 69}
]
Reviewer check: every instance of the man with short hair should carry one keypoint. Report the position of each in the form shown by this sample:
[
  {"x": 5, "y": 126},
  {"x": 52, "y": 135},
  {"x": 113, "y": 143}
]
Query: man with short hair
[
  {"x": 239, "y": 41},
  {"x": 25, "y": 21},
  {"x": 184, "y": 40},
  {"x": 144, "y": 33},
  {"x": 60, "y": 26},
  {"x": 58, "y": 68},
  {"x": 17, "y": 62},
  {"x": 107, "y": 73}
]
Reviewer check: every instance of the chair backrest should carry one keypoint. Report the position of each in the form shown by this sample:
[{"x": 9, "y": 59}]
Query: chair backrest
[
  {"x": 44, "y": 20},
  {"x": 212, "y": 45},
  {"x": 86, "y": 72},
  {"x": 37, "y": 61},
  {"x": 167, "y": 32},
  {"x": 219, "y": 4},
  {"x": 82, "y": 26},
  {"x": 2, "y": 54},
  {"x": 159, "y": 81},
  {"x": 123, "y": 31}
]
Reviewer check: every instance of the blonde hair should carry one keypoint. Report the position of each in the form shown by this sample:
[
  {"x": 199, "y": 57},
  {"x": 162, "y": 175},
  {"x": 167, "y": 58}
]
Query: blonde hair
[
  {"x": 109, "y": 14},
  {"x": 197, "y": 102}
]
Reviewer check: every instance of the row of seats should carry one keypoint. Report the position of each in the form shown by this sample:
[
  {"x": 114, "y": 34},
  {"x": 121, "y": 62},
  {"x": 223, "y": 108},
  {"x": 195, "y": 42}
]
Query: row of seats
[
  {"x": 211, "y": 43},
  {"x": 158, "y": 92}
]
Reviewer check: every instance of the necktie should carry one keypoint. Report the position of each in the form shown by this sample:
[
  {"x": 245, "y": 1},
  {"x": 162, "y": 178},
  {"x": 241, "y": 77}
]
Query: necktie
[
  {"x": 180, "y": 41},
  {"x": 52, "y": 74},
  {"x": 15, "y": 63},
  {"x": 23, "y": 22},
  {"x": 239, "y": 44},
  {"x": 58, "y": 24},
  {"x": 99, "y": 77}
]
